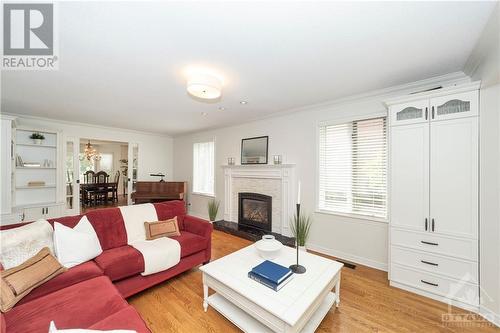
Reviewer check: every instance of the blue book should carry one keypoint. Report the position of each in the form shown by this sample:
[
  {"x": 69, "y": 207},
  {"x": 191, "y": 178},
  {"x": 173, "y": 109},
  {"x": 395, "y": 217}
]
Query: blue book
[
  {"x": 272, "y": 272},
  {"x": 268, "y": 283}
]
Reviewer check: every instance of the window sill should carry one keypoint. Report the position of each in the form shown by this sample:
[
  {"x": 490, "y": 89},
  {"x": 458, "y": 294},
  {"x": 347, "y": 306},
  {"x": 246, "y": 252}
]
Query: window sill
[
  {"x": 353, "y": 216},
  {"x": 208, "y": 195}
]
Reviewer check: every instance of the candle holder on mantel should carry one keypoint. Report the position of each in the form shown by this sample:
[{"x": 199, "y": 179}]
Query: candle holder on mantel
[
  {"x": 277, "y": 159},
  {"x": 230, "y": 161},
  {"x": 296, "y": 268}
]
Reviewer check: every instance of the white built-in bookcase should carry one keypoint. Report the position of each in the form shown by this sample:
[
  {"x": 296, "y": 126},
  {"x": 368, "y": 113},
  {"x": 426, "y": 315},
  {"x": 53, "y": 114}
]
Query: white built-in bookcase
[{"x": 42, "y": 201}]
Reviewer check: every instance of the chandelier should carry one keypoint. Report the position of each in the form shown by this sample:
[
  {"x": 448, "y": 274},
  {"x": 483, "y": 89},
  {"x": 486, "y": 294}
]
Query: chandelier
[{"x": 90, "y": 153}]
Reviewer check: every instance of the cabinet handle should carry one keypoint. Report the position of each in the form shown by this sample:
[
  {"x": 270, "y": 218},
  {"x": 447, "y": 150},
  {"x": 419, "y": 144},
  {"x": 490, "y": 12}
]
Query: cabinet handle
[
  {"x": 429, "y": 263},
  {"x": 429, "y": 243},
  {"x": 432, "y": 112},
  {"x": 426, "y": 222},
  {"x": 432, "y": 226},
  {"x": 429, "y": 283},
  {"x": 426, "y": 112}
]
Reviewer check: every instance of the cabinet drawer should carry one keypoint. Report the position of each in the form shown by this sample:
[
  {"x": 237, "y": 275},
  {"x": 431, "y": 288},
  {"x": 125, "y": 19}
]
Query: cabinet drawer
[
  {"x": 428, "y": 242},
  {"x": 33, "y": 214},
  {"x": 449, "y": 288},
  {"x": 453, "y": 268}
]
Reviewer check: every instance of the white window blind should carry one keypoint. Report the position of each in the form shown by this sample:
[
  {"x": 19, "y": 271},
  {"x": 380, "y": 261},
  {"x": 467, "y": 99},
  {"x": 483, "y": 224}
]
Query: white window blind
[
  {"x": 353, "y": 168},
  {"x": 203, "y": 167}
]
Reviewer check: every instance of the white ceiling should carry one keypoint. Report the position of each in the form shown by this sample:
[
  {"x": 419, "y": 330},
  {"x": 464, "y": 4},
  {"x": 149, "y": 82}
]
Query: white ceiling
[{"x": 122, "y": 63}]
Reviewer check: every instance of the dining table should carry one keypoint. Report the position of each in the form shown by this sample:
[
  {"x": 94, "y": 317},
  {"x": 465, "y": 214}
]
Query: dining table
[{"x": 90, "y": 192}]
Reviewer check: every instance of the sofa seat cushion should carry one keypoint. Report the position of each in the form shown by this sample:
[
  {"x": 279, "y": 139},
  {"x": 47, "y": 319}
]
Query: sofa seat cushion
[
  {"x": 190, "y": 243},
  {"x": 126, "y": 319},
  {"x": 80, "y": 305},
  {"x": 74, "y": 275},
  {"x": 120, "y": 262}
]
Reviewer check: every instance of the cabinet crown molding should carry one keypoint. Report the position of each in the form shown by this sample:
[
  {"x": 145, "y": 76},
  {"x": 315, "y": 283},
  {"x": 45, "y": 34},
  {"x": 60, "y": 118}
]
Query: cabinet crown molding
[{"x": 435, "y": 93}]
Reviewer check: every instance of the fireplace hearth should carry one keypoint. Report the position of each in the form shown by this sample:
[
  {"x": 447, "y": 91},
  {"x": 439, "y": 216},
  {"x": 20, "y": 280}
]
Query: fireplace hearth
[{"x": 255, "y": 210}]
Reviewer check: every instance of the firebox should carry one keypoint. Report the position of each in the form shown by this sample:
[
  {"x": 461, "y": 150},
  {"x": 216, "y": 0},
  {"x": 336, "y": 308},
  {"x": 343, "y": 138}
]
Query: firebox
[{"x": 255, "y": 210}]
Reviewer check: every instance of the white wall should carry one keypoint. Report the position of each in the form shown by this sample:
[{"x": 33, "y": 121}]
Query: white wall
[
  {"x": 484, "y": 65},
  {"x": 155, "y": 151},
  {"x": 294, "y": 137}
]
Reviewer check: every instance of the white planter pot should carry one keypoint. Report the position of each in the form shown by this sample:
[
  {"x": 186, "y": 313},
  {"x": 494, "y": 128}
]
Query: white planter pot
[
  {"x": 302, "y": 248},
  {"x": 37, "y": 141}
]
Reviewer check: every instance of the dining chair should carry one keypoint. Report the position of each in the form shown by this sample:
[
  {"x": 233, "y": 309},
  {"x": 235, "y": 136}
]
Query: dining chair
[{"x": 114, "y": 189}]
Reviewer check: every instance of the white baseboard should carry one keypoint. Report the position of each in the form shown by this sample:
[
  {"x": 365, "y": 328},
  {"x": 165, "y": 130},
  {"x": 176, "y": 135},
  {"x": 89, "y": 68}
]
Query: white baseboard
[
  {"x": 348, "y": 257},
  {"x": 489, "y": 315}
]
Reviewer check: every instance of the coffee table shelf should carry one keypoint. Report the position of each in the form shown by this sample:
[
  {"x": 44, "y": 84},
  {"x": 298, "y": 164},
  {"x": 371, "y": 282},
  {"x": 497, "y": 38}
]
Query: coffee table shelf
[{"x": 248, "y": 324}]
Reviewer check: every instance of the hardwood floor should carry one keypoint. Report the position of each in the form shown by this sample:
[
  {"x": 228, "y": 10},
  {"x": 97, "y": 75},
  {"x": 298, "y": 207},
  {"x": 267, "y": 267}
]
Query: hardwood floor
[
  {"x": 122, "y": 201},
  {"x": 367, "y": 304}
]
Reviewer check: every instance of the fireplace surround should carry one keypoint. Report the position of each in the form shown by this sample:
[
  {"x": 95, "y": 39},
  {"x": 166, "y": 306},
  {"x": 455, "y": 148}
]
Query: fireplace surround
[
  {"x": 255, "y": 210},
  {"x": 277, "y": 181}
]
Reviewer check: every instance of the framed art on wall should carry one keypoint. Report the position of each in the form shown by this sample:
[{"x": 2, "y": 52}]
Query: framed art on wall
[{"x": 254, "y": 150}]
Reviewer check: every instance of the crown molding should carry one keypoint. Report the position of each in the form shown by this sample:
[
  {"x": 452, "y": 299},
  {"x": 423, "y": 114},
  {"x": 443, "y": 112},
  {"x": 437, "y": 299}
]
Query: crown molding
[
  {"x": 381, "y": 95},
  {"x": 435, "y": 93},
  {"x": 76, "y": 123}
]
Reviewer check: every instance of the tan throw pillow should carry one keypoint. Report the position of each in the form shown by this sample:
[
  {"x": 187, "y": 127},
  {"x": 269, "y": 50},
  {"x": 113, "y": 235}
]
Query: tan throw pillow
[
  {"x": 18, "y": 281},
  {"x": 162, "y": 229}
]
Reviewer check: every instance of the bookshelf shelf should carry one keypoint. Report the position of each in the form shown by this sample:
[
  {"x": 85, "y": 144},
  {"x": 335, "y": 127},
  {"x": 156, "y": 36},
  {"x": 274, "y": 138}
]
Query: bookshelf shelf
[
  {"x": 35, "y": 145},
  {"x": 26, "y": 187}
]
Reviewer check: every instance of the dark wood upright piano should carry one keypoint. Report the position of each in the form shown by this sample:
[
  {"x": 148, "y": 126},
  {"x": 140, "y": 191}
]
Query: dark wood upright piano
[{"x": 159, "y": 191}]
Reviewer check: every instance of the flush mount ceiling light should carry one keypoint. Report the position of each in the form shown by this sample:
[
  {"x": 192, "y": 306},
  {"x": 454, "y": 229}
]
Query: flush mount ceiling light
[
  {"x": 221, "y": 108},
  {"x": 204, "y": 86},
  {"x": 243, "y": 102}
]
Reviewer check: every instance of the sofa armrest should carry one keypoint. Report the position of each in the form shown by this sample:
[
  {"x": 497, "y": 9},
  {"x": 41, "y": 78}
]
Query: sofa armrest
[{"x": 198, "y": 226}]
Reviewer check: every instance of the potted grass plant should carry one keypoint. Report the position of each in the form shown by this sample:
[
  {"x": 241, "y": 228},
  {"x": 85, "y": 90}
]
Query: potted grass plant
[
  {"x": 300, "y": 229},
  {"x": 213, "y": 208},
  {"x": 37, "y": 138}
]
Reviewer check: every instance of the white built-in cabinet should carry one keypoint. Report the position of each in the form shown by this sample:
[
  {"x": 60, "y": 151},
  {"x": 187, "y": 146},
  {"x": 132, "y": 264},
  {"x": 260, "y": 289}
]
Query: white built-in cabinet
[
  {"x": 25, "y": 161},
  {"x": 434, "y": 194}
]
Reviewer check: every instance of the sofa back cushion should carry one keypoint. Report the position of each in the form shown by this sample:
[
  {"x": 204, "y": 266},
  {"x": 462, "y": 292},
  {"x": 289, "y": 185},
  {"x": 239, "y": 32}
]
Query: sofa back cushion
[
  {"x": 169, "y": 209},
  {"x": 109, "y": 226}
]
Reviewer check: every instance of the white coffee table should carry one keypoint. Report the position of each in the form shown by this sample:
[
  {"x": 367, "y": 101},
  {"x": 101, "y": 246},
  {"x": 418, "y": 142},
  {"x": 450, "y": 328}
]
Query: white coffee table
[{"x": 299, "y": 306}]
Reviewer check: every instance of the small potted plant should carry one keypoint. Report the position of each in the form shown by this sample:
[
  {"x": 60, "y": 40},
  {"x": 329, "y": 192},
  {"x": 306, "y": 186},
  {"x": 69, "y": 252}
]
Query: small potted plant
[
  {"x": 213, "y": 208},
  {"x": 300, "y": 229},
  {"x": 37, "y": 138}
]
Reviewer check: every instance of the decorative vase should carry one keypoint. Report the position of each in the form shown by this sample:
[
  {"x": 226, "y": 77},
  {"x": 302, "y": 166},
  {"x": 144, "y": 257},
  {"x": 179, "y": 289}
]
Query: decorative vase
[
  {"x": 268, "y": 247},
  {"x": 303, "y": 248},
  {"x": 37, "y": 141}
]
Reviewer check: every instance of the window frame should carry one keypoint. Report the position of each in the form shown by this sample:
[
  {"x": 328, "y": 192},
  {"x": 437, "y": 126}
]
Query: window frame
[
  {"x": 193, "y": 192},
  {"x": 354, "y": 216}
]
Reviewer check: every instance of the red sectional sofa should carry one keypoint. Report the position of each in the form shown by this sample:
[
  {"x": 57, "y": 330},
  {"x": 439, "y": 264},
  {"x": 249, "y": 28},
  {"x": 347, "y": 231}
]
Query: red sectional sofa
[{"x": 92, "y": 295}]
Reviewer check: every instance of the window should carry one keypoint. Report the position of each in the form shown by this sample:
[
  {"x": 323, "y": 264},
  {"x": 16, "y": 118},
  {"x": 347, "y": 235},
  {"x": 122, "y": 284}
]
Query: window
[
  {"x": 106, "y": 163},
  {"x": 203, "y": 167},
  {"x": 85, "y": 165},
  {"x": 353, "y": 168}
]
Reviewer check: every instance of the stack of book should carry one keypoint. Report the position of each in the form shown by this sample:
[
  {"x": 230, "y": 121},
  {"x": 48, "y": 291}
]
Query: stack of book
[{"x": 271, "y": 275}]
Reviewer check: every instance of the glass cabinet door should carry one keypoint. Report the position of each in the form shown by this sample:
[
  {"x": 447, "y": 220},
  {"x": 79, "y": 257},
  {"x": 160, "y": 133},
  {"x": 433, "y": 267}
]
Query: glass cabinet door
[
  {"x": 409, "y": 113},
  {"x": 71, "y": 178},
  {"x": 455, "y": 106},
  {"x": 133, "y": 169}
]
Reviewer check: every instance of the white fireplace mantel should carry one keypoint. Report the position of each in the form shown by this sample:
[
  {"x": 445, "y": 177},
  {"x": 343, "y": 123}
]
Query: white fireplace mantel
[{"x": 276, "y": 180}]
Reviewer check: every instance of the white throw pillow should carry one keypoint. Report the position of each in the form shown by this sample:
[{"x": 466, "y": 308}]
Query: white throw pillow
[
  {"x": 19, "y": 244},
  {"x": 75, "y": 246},
  {"x": 53, "y": 329}
]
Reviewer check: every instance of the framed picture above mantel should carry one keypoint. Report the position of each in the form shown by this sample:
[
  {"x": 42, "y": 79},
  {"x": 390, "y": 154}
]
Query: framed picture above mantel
[{"x": 254, "y": 150}]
